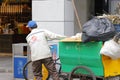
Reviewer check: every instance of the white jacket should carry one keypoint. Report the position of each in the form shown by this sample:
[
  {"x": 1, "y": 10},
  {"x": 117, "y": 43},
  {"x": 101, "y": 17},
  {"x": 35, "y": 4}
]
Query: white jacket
[{"x": 37, "y": 41}]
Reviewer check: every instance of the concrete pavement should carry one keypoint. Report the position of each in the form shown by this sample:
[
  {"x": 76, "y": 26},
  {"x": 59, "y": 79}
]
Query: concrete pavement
[
  {"x": 6, "y": 76},
  {"x": 6, "y": 67},
  {"x": 6, "y": 64},
  {"x": 6, "y": 71}
]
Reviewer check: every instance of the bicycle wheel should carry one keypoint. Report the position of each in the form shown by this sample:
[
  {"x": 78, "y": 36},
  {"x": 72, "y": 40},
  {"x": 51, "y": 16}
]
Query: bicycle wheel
[
  {"x": 24, "y": 70},
  {"x": 82, "y": 73},
  {"x": 30, "y": 76}
]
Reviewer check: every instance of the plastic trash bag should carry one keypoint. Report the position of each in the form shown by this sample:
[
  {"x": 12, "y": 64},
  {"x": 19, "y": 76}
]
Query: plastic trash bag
[
  {"x": 97, "y": 29},
  {"x": 111, "y": 48},
  {"x": 77, "y": 35}
]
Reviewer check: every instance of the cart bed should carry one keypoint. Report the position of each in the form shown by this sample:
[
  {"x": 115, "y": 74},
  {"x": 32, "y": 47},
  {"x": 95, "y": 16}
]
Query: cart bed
[{"x": 74, "y": 54}]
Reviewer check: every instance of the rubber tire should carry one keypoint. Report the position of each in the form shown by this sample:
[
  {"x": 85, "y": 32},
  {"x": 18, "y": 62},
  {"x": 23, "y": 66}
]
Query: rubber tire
[
  {"x": 24, "y": 69},
  {"x": 85, "y": 68}
]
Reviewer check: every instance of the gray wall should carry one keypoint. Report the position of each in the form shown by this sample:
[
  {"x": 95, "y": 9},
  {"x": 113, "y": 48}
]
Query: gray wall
[
  {"x": 58, "y": 15},
  {"x": 85, "y": 8},
  {"x": 54, "y": 15}
]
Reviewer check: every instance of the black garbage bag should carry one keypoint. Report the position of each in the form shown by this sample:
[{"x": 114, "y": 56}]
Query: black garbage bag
[{"x": 98, "y": 29}]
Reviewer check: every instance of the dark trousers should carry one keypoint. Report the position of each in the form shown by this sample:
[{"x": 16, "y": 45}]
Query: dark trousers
[{"x": 49, "y": 64}]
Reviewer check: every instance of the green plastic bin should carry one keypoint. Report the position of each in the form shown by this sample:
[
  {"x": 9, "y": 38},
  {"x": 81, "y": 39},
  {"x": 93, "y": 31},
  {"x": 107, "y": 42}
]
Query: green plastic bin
[{"x": 74, "y": 54}]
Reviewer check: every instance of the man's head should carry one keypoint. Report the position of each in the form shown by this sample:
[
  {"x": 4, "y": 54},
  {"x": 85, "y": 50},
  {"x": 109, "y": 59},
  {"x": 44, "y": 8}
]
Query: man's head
[{"x": 32, "y": 24}]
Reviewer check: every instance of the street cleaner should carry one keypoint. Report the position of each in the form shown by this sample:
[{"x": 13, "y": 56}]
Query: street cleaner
[{"x": 40, "y": 50}]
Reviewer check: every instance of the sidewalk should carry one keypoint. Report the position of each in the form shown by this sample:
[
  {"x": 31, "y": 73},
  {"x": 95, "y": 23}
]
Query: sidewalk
[
  {"x": 6, "y": 71},
  {"x": 5, "y": 62},
  {"x": 6, "y": 67}
]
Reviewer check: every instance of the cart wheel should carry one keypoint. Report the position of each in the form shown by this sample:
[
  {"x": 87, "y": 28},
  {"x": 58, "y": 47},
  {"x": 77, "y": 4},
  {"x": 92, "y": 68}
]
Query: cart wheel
[
  {"x": 45, "y": 73},
  {"x": 24, "y": 70},
  {"x": 82, "y": 73}
]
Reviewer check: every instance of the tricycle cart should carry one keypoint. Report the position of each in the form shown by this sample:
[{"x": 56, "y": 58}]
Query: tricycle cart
[{"x": 83, "y": 61}]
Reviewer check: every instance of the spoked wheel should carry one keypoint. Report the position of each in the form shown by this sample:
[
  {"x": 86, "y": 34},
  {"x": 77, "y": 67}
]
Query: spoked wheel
[
  {"x": 30, "y": 76},
  {"x": 82, "y": 73},
  {"x": 24, "y": 70}
]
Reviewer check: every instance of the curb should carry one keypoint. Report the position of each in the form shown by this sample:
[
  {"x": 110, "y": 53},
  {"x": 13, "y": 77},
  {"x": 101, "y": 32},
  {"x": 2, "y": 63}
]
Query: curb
[{"x": 5, "y": 54}]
